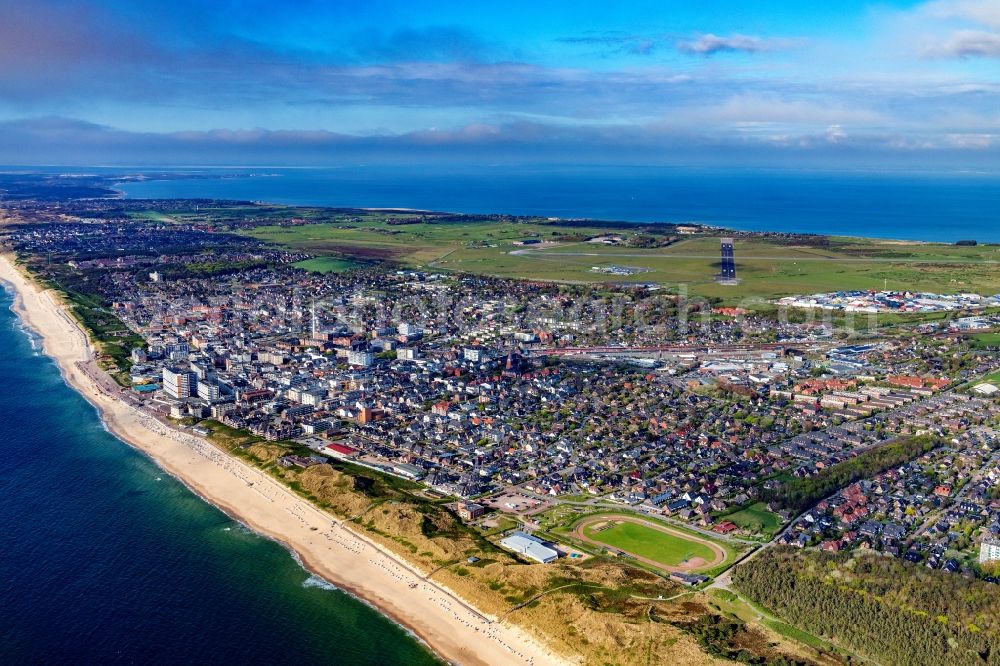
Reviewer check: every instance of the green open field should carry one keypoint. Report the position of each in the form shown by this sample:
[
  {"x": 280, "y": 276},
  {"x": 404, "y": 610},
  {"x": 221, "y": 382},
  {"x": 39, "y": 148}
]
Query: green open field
[
  {"x": 991, "y": 379},
  {"x": 327, "y": 264},
  {"x": 650, "y": 543},
  {"x": 409, "y": 244},
  {"x": 984, "y": 340},
  {"x": 767, "y": 268},
  {"x": 152, "y": 216},
  {"x": 755, "y": 518}
]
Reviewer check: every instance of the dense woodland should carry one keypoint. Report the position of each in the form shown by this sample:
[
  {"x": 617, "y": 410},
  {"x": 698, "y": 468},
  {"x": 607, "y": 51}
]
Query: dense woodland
[
  {"x": 884, "y": 609},
  {"x": 800, "y": 494}
]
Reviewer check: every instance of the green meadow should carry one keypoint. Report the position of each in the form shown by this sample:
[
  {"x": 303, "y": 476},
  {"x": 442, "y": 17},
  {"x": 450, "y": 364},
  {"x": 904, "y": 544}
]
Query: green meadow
[
  {"x": 767, "y": 267},
  {"x": 327, "y": 264},
  {"x": 755, "y": 518}
]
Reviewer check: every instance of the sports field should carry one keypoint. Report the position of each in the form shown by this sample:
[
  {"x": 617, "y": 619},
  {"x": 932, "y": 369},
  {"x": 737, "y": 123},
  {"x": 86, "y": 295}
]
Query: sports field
[{"x": 652, "y": 543}]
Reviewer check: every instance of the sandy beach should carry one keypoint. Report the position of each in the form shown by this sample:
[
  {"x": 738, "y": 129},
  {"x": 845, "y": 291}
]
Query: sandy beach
[{"x": 450, "y": 626}]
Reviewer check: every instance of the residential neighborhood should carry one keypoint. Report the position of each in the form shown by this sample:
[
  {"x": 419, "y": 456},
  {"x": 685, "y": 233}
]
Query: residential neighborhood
[{"x": 476, "y": 387}]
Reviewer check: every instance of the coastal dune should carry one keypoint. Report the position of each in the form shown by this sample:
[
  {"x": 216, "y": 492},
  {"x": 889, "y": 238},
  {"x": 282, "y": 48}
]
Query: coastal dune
[{"x": 454, "y": 629}]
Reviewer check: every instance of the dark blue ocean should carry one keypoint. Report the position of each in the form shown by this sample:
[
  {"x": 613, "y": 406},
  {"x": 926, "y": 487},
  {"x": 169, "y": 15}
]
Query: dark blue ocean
[
  {"x": 105, "y": 559},
  {"x": 912, "y": 206}
]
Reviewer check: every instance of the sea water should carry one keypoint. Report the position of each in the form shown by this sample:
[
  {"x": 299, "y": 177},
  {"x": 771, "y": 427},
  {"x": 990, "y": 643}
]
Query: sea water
[
  {"x": 105, "y": 558},
  {"x": 922, "y": 206}
]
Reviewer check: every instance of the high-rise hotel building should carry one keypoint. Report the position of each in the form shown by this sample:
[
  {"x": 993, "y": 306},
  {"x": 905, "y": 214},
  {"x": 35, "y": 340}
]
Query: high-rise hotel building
[{"x": 177, "y": 382}]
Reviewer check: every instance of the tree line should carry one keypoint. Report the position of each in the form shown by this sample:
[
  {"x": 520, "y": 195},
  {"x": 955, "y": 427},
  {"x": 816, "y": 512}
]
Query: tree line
[
  {"x": 801, "y": 493},
  {"x": 886, "y": 610}
]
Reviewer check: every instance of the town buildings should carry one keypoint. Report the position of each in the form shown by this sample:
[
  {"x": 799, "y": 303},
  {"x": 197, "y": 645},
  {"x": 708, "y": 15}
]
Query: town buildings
[
  {"x": 178, "y": 382},
  {"x": 989, "y": 550},
  {"x": 476, "y": 386}
]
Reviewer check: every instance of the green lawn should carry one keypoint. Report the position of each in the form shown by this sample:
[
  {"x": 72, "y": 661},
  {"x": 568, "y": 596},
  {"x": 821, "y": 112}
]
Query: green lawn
[
  {"x": 984, "y": 340},
  {"x": 151, "y": 216},
  {"x": 650, "y": 543},
  {"x": 326, "y": 265},
  {"x": 755, "y": 518},
  {"x": 990, "y": 379}
]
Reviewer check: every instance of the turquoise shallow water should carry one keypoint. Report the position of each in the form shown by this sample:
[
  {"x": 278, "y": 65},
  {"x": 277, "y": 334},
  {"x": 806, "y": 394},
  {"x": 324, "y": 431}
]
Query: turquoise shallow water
[
  {"x": 105, "y": 559},
  {"x": 913, "y": 206}
]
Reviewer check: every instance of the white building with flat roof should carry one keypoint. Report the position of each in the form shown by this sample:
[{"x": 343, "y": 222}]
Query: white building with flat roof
[
  {"x": 529, "y": 546},
  {"x": 474, "y": 354},
  {"x": 360, "y": 358},
  {"x": 989, "y": 551},
  {"x": 209, "y": 391},
  {"x": 406, "y": 328}
]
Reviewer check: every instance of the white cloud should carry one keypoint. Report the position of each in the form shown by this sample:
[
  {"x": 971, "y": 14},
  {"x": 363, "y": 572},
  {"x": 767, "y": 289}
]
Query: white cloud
[
  {"x": 973, "y": 141},
  {"x": 835, "y": 134},
  {"x": 709, "y": 44},
  {"x": 968, "y": 44},
  {"x": 957, "y": 29},
  {"x": 753, "y": 110},
  {"x": 986, "y": 12}
]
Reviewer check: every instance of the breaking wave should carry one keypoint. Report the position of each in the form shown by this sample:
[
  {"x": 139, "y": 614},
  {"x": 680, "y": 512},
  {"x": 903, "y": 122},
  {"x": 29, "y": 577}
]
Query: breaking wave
[{"x": 316, "y": 581}]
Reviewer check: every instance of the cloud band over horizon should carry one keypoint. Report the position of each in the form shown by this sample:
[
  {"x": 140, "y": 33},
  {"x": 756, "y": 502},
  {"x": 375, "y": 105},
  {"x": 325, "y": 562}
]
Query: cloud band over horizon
[{"x": 329, "y": 83}]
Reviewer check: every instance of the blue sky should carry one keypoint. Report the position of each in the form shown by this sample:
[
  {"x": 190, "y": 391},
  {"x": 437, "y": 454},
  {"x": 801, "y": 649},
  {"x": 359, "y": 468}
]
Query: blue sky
[{"x": 311, "y": 82}]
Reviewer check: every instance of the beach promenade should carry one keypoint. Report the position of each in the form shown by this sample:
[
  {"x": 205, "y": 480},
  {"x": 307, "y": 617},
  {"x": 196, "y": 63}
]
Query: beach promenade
[{"x": 451, "y": 627}]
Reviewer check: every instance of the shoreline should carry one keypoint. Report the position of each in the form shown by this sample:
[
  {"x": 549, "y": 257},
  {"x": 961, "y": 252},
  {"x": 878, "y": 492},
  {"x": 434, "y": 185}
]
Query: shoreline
[
  {"x": 718, "y": 226},
  {"x": 355, "y": 564}
]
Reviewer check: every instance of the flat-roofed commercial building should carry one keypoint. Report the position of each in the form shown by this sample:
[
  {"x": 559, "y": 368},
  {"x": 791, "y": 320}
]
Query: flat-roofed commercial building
[
  {"x": 409, "y": 471},
  {"x": 529, "y": 546}
]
